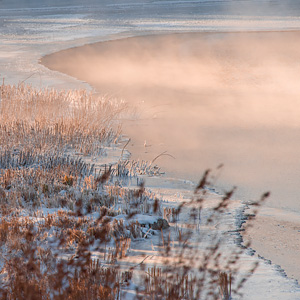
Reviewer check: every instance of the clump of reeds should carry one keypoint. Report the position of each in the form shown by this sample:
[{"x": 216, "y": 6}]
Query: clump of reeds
[
  {"x": 44, "y": 136},
  {"x": 35, "y": 247},
  {"x": 34, "y": 266},
  {"x": 133, "y": 168},
  {"x": 161, "y": 285},
  {"x": 225, "y": 281},
  {"x": 171, "y": 214},
  {"x": 45, "y": 120}
]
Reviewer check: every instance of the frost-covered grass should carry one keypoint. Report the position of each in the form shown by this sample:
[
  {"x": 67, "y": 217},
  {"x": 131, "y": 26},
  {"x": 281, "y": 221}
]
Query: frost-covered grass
[
  {"x": 67, "y": 229},
  {"x": 43, "y": 136},
  {"x": 51, "y": 121}
]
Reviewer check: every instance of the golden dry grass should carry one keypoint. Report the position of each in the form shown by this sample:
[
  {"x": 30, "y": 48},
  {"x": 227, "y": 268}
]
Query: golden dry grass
[{"x": 49, "y": 256}]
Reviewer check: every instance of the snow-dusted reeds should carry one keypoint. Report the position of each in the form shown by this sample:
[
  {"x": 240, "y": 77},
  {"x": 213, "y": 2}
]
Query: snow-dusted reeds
[
  {"x": 65, "y": 227},
  {"x": 48, "y": 256},
  {"x": 37, "y": 121},
  {"x": 225, "y": 285},
  {"x": 52, "y": 254},
  {"x": 157, "y": 283}
]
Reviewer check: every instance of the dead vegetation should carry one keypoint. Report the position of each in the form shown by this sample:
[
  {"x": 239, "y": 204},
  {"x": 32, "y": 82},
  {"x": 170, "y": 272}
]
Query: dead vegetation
[
  {"x": 37, "y": 121},
  {"x": 66, "y": 227}
]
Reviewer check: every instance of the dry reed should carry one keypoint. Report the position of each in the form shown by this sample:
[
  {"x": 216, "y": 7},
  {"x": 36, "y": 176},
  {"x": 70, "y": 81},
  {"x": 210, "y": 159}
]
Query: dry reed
[{"x": 49, "y": 255}]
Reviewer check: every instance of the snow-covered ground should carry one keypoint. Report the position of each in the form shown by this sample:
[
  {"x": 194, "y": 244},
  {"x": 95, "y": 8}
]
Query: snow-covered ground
[{"x": 30, "y": 29}]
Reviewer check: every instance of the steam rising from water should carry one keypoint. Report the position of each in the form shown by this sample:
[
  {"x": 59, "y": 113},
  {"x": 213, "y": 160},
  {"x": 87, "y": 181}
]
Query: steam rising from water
[{"x": 206, "y": 99}]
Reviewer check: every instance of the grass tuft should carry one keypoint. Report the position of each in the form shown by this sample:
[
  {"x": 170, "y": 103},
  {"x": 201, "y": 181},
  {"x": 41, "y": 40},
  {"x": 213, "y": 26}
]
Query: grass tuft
[{"x": 68, "y": 228}]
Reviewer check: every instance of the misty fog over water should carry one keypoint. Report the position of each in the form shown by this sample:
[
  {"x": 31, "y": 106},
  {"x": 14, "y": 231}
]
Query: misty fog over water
[
  {"x": 206, "y": 99},
  {"x": 248, "y": 101}
]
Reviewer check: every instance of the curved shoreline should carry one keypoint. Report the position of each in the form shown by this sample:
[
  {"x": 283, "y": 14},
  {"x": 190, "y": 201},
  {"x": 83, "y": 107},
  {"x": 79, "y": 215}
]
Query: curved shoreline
[
  {"x": 67, "y": 51},
  {"x": 275, "y": 239},
  {"x": 219, "y": 126}
]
